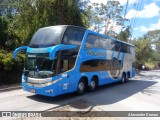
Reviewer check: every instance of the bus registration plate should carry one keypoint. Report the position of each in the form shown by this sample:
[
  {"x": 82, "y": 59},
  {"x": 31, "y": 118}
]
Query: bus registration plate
[{"x": 32, "y": 90}]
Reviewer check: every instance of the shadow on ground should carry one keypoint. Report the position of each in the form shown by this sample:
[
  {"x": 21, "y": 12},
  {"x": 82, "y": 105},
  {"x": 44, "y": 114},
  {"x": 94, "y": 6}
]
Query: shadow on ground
[{"x": 104, "y": 95}]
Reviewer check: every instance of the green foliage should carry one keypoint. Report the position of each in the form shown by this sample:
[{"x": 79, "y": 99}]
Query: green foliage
[
  {"x": 20, "y": 19},
  {"x": 150, "y": 65},
  {"x": 143, "y": 50},
  {"x": 124, "y": 35},
  {"x": 154, "y": 36},
  {"x": 106, "y": 16},
  {"x": 3, "y": 30},
  {"x": 7, "y": 61},
  {"x": 24, "y": 17}
]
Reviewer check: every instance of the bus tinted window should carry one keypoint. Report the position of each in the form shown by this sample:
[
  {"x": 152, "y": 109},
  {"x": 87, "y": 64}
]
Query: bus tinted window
[
  {"x": 95, "y": 65},
  {"x": 73, "y": 35},
  {"x": 48, "y": 36},
  {"x": 103, "y": 43},
  {"x": 95, "y": 41},
  {"x": 118, "y": 46},
  {"x": 124, "y": 47},
  {"x": 110, "y": 44},
  {"x": 90, "y": 43}
]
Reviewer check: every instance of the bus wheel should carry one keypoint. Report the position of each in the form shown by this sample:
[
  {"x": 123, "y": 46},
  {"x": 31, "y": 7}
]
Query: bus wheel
[
  {"x": 93, "y": 84},
  {"x": 81, "y": 87},
  {"x": 123, "y": 78}
]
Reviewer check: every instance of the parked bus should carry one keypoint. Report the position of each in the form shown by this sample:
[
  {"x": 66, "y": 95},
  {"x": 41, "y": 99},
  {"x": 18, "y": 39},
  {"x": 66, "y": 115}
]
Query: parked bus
[{"x": 64, "y": 58}]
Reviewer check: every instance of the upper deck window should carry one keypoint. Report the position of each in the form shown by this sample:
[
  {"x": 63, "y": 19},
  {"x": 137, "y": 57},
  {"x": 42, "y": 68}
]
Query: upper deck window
[
  {"x": 95, "y": 41},
  {"x": 48, "y": 36},
  {"x": 73, "y": 35}
]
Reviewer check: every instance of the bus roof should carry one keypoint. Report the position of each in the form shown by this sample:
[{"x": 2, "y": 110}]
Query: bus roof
[{"x": 65, "y": 26}]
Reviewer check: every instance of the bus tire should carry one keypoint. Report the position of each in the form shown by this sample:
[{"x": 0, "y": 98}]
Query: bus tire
[
  {"x": 128, "y": 76},
  {"x": 124, "y": 79},
  {"x": 81, "y": 87},
  {"x": 93, "y": 84}
]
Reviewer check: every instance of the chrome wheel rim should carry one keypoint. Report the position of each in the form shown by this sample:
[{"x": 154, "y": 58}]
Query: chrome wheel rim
[
  {"x": 93, "y": 84},
  {"x": 123, "y": 79},
  {"x": 81, "y": 86}
]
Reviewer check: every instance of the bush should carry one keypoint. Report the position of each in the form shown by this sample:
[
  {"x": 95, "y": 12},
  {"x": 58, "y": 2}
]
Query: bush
[
  {"x": 10, "y": 70},
  {"x": 149, "y": 65}
]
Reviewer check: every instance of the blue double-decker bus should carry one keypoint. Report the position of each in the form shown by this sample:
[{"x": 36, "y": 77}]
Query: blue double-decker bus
[{"x": 64, "y": 58}]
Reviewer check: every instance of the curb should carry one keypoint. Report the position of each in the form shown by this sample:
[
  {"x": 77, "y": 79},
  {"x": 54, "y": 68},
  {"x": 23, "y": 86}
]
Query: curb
[{"x": 10, "y": 88}]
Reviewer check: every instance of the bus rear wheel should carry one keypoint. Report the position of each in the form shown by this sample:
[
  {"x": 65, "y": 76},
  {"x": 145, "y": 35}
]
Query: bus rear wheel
[
  {"x": 124, "y": 79},
  {"x": 93, "y": 84},
  {"x": 81, "y": 87}
]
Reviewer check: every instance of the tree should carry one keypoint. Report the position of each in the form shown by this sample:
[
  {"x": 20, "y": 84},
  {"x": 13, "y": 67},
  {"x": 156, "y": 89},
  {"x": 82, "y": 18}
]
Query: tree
[
  {"x": 26, "y": 16},
  {"x": 112, "y": 15},
  {"x": 104, "y": 17},
  {"x": 143, "y": 50},
  {"x": 154, "y": 36},
  {"x": 3, "y": 31},
  {"x": 19, "y": 19},
  {"x": 124, "y": 35}
]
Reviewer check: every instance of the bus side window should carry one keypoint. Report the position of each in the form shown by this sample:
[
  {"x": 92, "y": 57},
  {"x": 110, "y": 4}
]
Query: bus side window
[
  {"x": 67, "y": 64},
  {"x": 63, "y": 66},
  {"x": 72, "y": 62},
  {"x": 118, "y": 46}
]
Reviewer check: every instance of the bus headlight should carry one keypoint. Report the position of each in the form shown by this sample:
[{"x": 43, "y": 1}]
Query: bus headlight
[
  {"x": 57, "y": 80},
  {"x": 23, "y": 80},
  {"x": 49, "y": 83},
  {"x": 52, "y": 82}
]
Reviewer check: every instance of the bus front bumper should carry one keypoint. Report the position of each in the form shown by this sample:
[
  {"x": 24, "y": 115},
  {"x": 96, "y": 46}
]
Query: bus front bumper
[{"x": 40, "y": 89}]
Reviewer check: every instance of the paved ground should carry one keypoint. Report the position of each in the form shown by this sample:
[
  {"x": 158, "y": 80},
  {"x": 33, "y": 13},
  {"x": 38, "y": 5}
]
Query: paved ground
[{"x": 142, "y": 93}]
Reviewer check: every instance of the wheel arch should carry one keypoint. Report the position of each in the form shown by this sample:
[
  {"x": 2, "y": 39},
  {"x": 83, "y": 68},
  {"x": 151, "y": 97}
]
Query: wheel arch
[
  {"x": 128, "y": 74},
  {"x": 85, "y": 78}
]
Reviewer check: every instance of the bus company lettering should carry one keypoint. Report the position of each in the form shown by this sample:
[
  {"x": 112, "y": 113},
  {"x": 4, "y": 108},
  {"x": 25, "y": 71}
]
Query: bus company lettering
[
  {"x": 39, "y": 50},
  {"x": 96, "y": 53}
]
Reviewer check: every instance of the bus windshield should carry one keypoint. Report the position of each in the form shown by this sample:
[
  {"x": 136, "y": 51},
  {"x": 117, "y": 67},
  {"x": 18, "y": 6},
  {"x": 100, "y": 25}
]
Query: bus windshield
[
  {"x": 48, "y": 36},
  {"x": 39, "y": 66}
]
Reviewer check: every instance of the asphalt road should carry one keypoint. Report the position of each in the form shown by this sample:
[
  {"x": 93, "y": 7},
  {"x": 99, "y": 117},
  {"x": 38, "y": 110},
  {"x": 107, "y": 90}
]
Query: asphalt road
[{"x": 142, "y": 93}]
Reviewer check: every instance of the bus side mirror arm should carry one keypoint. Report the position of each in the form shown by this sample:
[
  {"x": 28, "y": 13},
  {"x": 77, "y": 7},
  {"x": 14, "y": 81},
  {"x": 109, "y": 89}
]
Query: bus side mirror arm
[
  {"x": 60, "y": 47},
  {"x": 17, "y": 50}
]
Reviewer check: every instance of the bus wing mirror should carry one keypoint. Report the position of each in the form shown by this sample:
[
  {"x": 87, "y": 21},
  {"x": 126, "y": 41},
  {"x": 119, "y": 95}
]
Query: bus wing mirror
[
  {"x": 17, "y": 50},
  {"x": 60, "y": 47}
]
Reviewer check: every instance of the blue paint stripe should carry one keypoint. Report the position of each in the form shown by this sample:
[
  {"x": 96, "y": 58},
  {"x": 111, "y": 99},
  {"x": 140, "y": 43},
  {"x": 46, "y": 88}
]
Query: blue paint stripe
[
  {"x": 118, "y": 55},
  {"x": 123, "y": 55},
  {"x": 112, "y": 54}
]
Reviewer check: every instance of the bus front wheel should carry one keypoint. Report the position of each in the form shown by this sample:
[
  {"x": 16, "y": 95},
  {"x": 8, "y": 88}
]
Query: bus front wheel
[{"x": 81, "y": 87}]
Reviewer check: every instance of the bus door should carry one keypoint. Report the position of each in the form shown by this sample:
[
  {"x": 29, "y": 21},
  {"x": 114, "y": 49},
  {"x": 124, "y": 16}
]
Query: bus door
[
  {"x": 66, "y": 62},
  {"x": 64, "y": 83}
]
